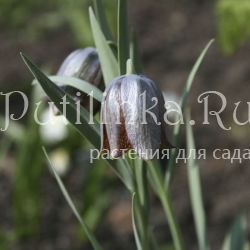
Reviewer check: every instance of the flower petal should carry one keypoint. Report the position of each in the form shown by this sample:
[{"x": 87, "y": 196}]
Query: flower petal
[{"x": 142, "y": 129}]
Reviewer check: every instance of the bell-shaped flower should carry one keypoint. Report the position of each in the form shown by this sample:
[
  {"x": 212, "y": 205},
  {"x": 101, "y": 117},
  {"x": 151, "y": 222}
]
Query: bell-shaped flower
[
  {"x": 83, "y": 64},
  {"x": 132, "y": 117}
]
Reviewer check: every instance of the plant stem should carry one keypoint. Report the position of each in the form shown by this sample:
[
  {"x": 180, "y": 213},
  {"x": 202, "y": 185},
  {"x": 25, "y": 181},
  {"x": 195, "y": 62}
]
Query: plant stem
[
  {"x": 142, "y": 214},
  {"x": 174, "y": 228},
  {"x": 164, "y": 196}
]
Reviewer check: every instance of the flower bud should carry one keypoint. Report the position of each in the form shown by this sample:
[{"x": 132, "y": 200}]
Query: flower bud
[
  {"x": 132, "y": 117},
  {"x": 85, "y": 65}
]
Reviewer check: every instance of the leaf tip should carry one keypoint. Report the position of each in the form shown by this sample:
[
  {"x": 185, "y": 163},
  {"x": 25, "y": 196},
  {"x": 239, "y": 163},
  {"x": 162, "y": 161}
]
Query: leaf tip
[
  {"x": 25, "y": 59},
  {"x": 91, "y": 12},
  {"x": 211, "y": 42}
]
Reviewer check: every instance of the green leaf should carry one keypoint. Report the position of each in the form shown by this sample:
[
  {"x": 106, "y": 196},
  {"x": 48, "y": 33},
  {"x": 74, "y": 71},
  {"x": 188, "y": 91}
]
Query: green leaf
[
  {"x": 183, "y": 103},
  {"x": 157, "y": 182},
  {"x": 135, "y": 225},
  {"x": 107, "y": 59},
  {"x": 142, "y": 202},
  {"x": 79, "y": 84},
  {"x": 155, "y": 177},
  {"x": 233, "y": 23},
  {"x": 130, "y": 67},
  {"x": 86, "y": 229},
  {"x": 141, "y": 180},
  {"x": 236, "y": 238},
  {"x": 90, "y": 131},
  {"x": 101, "y": 17},
  {"x": 123, "y": 36},
  {"x": 195, "y": 190},
  {"x": 192, "y": 75},
  {"x": 123, "y": 171},
  {"x": 135, "y": 53}
]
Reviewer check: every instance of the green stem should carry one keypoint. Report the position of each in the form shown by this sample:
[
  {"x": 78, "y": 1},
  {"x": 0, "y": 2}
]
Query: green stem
[
  {"x": 174, "y": 228},
  {"x": 164, "y": 196},
  {"x": 130, "y": 68},
  {"x": 143, "y": 220},
  {"x": 142, "y": 203}
]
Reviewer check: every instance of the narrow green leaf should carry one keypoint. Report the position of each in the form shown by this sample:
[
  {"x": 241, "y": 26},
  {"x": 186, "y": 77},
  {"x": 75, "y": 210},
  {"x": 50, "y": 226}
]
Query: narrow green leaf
[
  {"x": 135, "y": 53},
  {"x": 135, "y": 225},
  {"x": 195, "y": 189},
  {"x": 130, "y": 67},
  {"x": 123, "y": 171},
  {"x": 172, "y": 221},
  {"x": 142, "y": 202},
  {"x": 193, "y": 74},
  {"x": 123, "y": 36},
  {"x": 66, "y": 195},
  {"x": 90, "y": 131},
  {"x": 155, "y": 243},
  {"x": 236, "y": 238},
  {"x": 157, "y": 182},
  {"x": 183, "y": 102},
  {"x": 102, "y": 19},
  {"x": 79, "y": 84},
  {"x": 107, "y": 59},
  {"x": 144, "y": 236},
  {"x": 141, "y": 180},
  {"x": 155, "y": 176}
]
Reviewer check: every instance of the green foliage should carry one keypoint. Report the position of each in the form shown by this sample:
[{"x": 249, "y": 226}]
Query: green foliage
[
  {"x": 96, "y": 195},
  {"x": 89, "y": 233},
  {"x": 16, "y": 14},
  {"x": 135, "y": 53},
  {"x": 91, "y": 132},
  {"x": 122, "y": 36},
  {"x": 138, "y": 241},
  {"x": 195, "y": 190},
  {"x": 102, "y": 19},
  {"x": 107, "y": 58},
  {"x": 236, "y": 237},
  {"x": 50, "y": 15},
  {"x": 79, "y": 84},
  {"x": 27, "y": 178},
  {"x": 183, "y": 104},
  {"x": 134, "y": 173},
  {"x": 233, "y": 23},
  {"x": 123, "y": 168}
]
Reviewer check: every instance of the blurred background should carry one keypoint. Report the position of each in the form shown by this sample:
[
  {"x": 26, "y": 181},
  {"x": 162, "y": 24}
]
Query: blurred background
[{"x": 171, "y": 34}]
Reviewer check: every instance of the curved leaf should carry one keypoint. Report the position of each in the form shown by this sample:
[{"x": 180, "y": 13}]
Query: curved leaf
[
  {"x": 66, "y": 195},
  {"x": 90, "y": 131},
  {"x": 135, "y": 225},
  {"x": 102, "y": 19},
  {"x": 236, "y": 238},
  {"x": 195, "y": 190},
  {"x": 122, "y": 35},
  {"x": 79, "y": 84},
  {"x": 107, "y": 59},
  {"x": 188, "y": 85}
]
